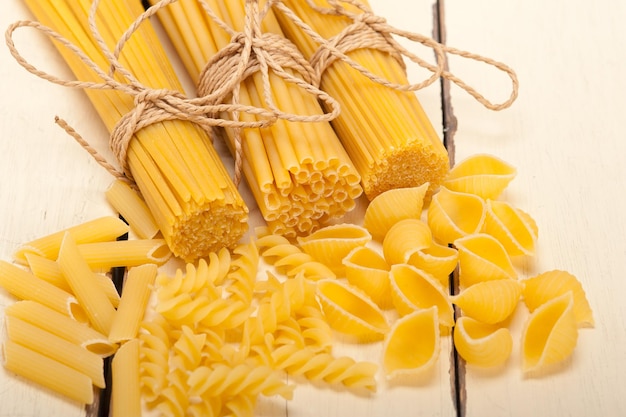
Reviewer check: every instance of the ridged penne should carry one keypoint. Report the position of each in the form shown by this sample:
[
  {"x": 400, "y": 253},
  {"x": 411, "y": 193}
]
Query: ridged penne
[
  {"x": 549, "y": 335},
  {"x": 26, "y": 286},
  {"x": 330, "y": 244},
  {"x": 481, "y": 174},
  {"x": 369, "y": 271},
  {"x": 391, "y": 206},
  {"x": 103, "y": 229},
  {"x": 481, "y": 344},
  {"x": 482, "y": 258},
  {"x": 62, "y": 326},
  {"x": 47, "y": 372},
  {"x": 81, "y": 280},
  {"x": 413, "y": 289},
  {"x": 489, "y": 301},
  {"x": 404, "y": 238},
  {"x": 452, "y": 215},
  {"x": 125, "y": 381},
  {"x": 544, "y": 287},
  {"x": 137, "y": 290},
  {"x": 350, "y": 311},
  {"x": 403, "y": 353},
  {"x": 132, "y": 208},
  {"x": 50, "y": 271},
  {"x": 106, "y": 255},
  {"x": 56, "y": 348},
  {"x": 514, "y": 228}
]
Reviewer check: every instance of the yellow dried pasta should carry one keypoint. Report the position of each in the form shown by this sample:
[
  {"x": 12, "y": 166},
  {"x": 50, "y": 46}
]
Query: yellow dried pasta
[
  {"x": 452, "y": 215},
  {"x": 405, "y": 238},
  {"x": 489, "y": 301},
  {"x": 391, "y": 206},
  {"x": 401, "y": 354},
  {"x": 350, "y": 311},
  {"x": 514, "y": 228},
  {"x": 481, "y": 344},
  {"x": 549, "y": 335},
  {"x": 482, "y": 258},
  {"x": 548, "y": 285},
  {"x": 330, "y": 244},
  {"x": 481, "y": 174},
  {"x": 368, "y": 270},
  {"x": 438, "y": 260},
  {"x": 413, "y": 289}
]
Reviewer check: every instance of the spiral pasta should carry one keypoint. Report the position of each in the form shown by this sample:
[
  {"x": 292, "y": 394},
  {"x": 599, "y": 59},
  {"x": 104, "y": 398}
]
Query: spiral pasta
[
  {"x": 289, "y": 259},
  {"x": 322, "y": 366}
]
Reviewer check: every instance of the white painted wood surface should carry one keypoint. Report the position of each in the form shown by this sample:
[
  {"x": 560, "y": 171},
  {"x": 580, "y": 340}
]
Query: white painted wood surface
[{"x": 562, "y": 134}]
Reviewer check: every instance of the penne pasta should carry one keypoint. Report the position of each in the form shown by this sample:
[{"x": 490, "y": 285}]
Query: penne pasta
[
  {"x": 125, "y": 394},
  {"x": 24, "y": 285},
  {"x": 56, "y": 348},
  {"x": 80, "y": 278},
  {"x": 50, "y": 271},
  {"x": 128, "y": 253},
  {"x": 99, "y": 230},
  {"x": 47, "y": 372},
  {"x": 133, "y": 209},
  {"x": 137, "y": 289},
  {"x": 61, "y": 325}
]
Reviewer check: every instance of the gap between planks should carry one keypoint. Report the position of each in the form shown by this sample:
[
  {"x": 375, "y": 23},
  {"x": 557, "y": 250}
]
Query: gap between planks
[{"x": 449, "y": 127}]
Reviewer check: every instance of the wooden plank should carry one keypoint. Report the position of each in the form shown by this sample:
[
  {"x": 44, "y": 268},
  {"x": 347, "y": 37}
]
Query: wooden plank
[
  {"x": 51, "y": 183},
  {"x": 564, "y": 135},
  {"x": 48, "y": 181}
]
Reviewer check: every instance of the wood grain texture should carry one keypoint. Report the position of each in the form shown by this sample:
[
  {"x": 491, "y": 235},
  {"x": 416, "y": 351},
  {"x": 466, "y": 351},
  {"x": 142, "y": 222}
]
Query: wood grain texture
[{"x": 563, "y": 134}]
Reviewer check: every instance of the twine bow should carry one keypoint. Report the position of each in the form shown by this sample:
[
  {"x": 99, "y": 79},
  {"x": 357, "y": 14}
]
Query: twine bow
[{"x": 368, "y": 30}]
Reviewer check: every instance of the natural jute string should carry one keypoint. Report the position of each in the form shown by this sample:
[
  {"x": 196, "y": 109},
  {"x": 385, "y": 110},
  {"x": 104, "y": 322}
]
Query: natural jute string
[{"x": 368, "y": 30}]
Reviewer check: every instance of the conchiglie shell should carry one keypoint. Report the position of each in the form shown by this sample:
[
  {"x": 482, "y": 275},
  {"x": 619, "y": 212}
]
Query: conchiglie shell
[
  {"x": 438, "y": 260},
  {"x": 331, "y": 244},
  {"x": 484, "y": 175},
  {"x": 413, "y": 289},
  {"x": 482, "y": 258},
  {"x": 551, "y": 284},
  {"x": 452, "y": 215},
  {"x": 514, "y": 228},
  {"x": 391, "y": 206},
  {"x": 404, "y": 238},
  {"x": 549, "y": 335},
  {"x": 489, "y": 301},
  {"x": 413, "y": 344},
  {"x": 350, "y": 311},
  {"x": 367, "y": 270},
  {"x": 482, "y": 344}
]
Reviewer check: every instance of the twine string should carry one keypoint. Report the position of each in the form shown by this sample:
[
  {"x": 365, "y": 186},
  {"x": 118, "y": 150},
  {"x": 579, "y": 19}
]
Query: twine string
[
  {"x": 253, "y": 51},
  {"x": 370, "y": 31}
]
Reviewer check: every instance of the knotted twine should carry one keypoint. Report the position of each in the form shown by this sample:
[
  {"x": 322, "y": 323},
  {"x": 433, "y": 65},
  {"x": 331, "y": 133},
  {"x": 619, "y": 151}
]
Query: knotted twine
[
  {"x": 369, "y": 31},
  {"x": 249, "y": 51}
]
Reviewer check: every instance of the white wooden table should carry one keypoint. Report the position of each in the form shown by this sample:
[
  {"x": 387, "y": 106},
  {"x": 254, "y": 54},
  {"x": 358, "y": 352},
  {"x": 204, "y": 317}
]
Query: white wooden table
[{"x": 564, "y": 134}]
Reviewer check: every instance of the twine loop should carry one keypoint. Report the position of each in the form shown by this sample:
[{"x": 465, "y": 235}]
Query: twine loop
[{"x": 369, "y": 31}]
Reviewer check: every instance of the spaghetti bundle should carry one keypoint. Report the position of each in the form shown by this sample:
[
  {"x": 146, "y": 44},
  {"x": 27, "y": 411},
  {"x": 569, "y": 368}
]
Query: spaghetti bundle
[
  {"x": 384, "y": 130},
  {"x": 182, "y": 179},
  {"x": 297, "y": 169}
]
